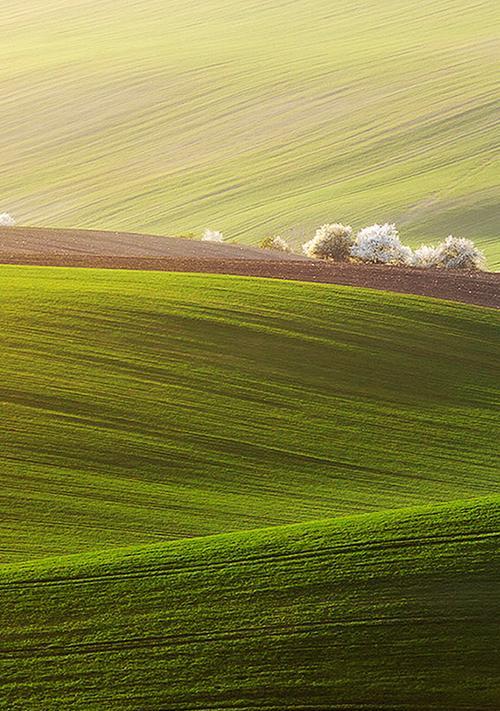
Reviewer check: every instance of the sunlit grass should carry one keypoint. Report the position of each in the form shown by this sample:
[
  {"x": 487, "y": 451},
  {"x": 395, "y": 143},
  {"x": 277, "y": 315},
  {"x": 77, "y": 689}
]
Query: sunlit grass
[{"x": 139, "y": 407}]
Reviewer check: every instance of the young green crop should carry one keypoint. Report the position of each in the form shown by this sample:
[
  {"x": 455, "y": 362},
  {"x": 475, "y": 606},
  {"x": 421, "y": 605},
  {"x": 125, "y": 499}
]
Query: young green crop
[
  {"x": 388, "y": 610},
  {"x": 139, "y": 407}
]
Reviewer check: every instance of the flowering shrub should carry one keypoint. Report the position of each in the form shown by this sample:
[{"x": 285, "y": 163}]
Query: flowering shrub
[
  {"x": 380, "y": 244},
  {"x": 330, "y": 242},
  {"x": 425, "y": 257},
  {"x": 6, "y": 220},
  {"x": 212, "y": 236},
  {"x": 458, "y": 253},
  {"x": 275, "y": 242}
]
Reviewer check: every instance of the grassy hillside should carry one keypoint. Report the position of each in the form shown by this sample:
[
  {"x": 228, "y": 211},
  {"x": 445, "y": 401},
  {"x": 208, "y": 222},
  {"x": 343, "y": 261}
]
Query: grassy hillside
[
  {"x": 167, "y": 115},
  {"x": 390, "y": 610},
  {"x": 139, "y": 407}
]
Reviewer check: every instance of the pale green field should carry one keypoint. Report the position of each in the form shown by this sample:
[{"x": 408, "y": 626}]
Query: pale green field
[{"x": 250, "y": 117}]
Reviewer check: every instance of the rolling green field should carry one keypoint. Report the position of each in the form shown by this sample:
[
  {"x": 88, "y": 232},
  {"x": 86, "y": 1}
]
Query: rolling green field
[
  {"x": 391, "y": 610},
  {"x": 220, "y": 492},
  {"x": 140, "y": 407},
  {"x": 232, "y": 493},
  {"x": 251, "y": 116}
]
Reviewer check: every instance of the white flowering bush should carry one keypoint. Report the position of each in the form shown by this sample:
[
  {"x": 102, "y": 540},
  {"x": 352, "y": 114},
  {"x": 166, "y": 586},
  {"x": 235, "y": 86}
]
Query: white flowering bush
[
  {"x": 425, "y": 257},
  {"x": 6, "y": 220},
  {"x": 330, "y": 242},
  {"x": 458, "y": 253},
  {"x": 276, "y": 242},
  {"x": 212, "y": 236},
  {"x": 380, "y": 244}
]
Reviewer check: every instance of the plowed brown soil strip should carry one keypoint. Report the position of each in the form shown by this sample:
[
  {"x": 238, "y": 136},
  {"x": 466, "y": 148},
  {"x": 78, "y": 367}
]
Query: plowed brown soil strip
[
  {"x": 70, "y": 248},
  {"x": 42, "y": 241}
]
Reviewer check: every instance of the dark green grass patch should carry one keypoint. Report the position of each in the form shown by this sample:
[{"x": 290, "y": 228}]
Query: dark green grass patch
[
  {"x": 388, "y": 610},
  {"x": 140, "y": 407}
]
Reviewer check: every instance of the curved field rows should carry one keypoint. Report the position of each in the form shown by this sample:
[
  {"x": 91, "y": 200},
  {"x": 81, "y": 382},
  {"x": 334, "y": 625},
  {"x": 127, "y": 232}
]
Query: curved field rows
[
  {"x": 143, "y": 406},
  {"x": 384, "y": 611},
  {"x": 252, "y": 117}
]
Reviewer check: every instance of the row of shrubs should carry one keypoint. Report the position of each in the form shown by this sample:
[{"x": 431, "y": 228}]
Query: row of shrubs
[
  {"x": 381, "y": 244},
  {"x": 377, "y": 244}
]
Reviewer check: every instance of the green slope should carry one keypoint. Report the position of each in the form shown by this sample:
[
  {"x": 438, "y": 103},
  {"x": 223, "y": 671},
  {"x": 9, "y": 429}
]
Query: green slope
[
  {"x": 167, "y": 115},
  {"x": 393, "y": 610},
  {"x": 139, "y": 407}
]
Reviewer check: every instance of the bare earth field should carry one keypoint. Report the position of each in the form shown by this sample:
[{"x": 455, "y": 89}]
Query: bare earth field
[
  {"x": 18, "y": 241},
  {"x": 113, "y": 250}
]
